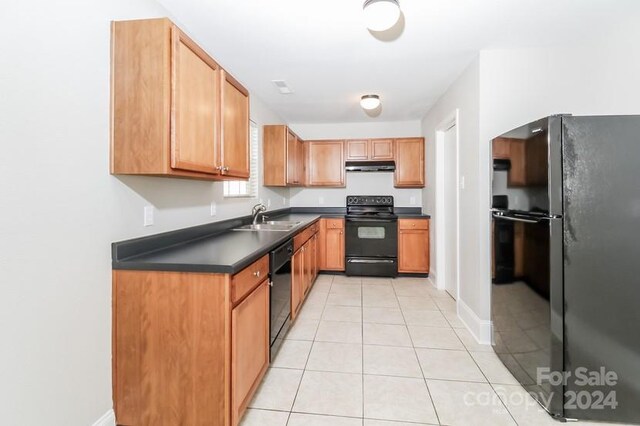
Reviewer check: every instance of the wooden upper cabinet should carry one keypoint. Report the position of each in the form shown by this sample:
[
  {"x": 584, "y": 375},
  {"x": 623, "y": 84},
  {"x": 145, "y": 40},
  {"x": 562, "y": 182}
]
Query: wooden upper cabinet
[
  {"x": 357, "y": 150},
  {"x": 235, "y": 149},
  {"x": 409, "y": 156},
  {"x": 501, "y": 148},
  {"x": 325, "y": 163},
  {"x": 517, "y": 173},
  {"x": 381, "y": 149},
  {"x": 301, "y": 164},
  {"x": 369, "y": 150},
  {"x": 174, "y": 110},
  {"x": 195, "y": 115},
  {"x": 283, "y": 157},
  {"x": 292, "y": 159}
]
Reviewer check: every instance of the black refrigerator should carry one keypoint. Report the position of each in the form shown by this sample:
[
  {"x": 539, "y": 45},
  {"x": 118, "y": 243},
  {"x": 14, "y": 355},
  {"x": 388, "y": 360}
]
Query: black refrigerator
[{"x": 565, "y": 300}]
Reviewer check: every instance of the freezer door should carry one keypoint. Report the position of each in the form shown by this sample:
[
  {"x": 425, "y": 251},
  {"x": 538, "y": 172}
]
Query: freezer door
[
  {"x": 602, "y": 261},
  {"x": 521, "y": 167}
]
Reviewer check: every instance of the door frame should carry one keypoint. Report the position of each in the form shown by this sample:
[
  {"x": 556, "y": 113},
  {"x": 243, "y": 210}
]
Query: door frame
[{"x": 451, "y": 120}]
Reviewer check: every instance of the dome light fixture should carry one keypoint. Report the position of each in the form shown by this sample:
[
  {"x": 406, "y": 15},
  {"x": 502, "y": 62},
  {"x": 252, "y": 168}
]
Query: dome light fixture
[
  {"x": 380, "y": 15},
  {"x": 370, "y": 102}
]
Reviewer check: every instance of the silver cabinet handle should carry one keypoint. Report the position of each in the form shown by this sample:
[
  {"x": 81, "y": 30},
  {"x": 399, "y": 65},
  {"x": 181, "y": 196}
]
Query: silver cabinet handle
[{"x": 256, "y": 274}]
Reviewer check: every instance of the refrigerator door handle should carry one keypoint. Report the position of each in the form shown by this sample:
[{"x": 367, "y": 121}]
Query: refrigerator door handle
[{"x": 517, "y": 219}]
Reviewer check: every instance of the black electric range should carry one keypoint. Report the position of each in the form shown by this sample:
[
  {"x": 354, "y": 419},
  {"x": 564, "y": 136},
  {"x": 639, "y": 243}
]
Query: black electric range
[{"x": 371, "y": 244}]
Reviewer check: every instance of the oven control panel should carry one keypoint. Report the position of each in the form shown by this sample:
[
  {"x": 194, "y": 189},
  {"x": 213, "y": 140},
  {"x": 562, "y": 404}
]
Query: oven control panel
[{"x": 370, "y": 200}]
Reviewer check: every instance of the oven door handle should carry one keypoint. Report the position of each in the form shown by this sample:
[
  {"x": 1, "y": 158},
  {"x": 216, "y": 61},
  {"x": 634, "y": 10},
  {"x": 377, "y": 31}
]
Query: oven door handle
[
  {"x": 370, "y": 261},
  {"x": 367, "y": 219}
]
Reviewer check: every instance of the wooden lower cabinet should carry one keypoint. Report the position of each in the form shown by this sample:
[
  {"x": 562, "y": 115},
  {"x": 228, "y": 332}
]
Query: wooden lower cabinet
[
  {"x": 297, "y": 281},
  {"x": 413, "y": 246},
  {"x": 249, "y": 348},
  {"x": 331, "y": 245},
  {"x": 188, "y": 348},
  {"x": 304, "y": 267}
]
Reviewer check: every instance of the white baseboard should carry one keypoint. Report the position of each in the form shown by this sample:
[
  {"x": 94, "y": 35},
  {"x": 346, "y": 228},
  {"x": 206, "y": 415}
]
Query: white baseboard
[
  {"x": 107, "y": 419},
  {"x": 480, "y": 329},
  {"x": 432, "y": 281}
]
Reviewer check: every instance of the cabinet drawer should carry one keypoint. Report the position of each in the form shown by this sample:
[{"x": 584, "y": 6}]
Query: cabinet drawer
[
  {"x": 413, "y": 223},
  {"x": 244, "y": 281},
  {"x": 304, "y": 235},
  {"x": 334, "y": 223}
]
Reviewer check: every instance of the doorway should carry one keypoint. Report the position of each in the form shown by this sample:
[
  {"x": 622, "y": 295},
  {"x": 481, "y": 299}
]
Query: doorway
[{"x": 447, "y": 206}]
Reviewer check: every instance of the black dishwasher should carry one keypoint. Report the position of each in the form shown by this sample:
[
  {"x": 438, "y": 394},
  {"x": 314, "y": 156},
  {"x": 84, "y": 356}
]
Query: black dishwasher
[{"x": 280, "y": 295}]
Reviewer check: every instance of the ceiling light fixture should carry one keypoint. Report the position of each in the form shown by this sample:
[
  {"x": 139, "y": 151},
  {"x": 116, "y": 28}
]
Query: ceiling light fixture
[
  {"x": 370, "y": 102},
  {"x": 380, "y": 15}
]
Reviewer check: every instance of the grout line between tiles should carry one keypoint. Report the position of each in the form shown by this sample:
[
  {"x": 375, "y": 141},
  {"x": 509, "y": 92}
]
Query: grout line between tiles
[
  {"x": 415, "y": 352},
  {"x": 307, "y": 361}
]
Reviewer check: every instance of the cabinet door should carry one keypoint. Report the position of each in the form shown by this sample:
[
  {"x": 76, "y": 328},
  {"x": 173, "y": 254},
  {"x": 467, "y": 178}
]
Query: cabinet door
[
  {"x": 326, "y": 163},
  {"x": 314, "y": 258},
  {"x": 297, "y": 281},
  {"x": 381, "y": 149},
  {"x": 307, "y": 266},
  {"x": 300, "y": 162},
  {"x": 501, "y": 148},
  {"x": 517, "y": 173},
  {"x": 413, "y": 251},
  {"x": 234, "y": 147},
  {"x": 249, "y": 347},
  {"x": 292, "y": 159},
  {"x": 195, "y": 110},
  {"x": 357, "y": 150},
  {"x": 335, "y": 250},
  {"x": 409, "y": 155}
]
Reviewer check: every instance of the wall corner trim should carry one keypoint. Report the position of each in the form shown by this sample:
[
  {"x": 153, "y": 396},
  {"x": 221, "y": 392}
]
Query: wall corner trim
[
  {"x": 480, "y": 329},
  {"x": 107, "y": 419}
]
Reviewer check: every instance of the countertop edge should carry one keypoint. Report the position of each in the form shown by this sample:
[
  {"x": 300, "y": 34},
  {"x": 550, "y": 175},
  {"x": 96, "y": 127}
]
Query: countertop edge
[{"x": 135, "y": 263}]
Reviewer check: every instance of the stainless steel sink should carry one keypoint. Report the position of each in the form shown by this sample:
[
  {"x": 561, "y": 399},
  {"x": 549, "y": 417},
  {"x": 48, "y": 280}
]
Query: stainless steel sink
[
  {"x": 269, "y": 226},
  {"x": 282, "y": 222}
]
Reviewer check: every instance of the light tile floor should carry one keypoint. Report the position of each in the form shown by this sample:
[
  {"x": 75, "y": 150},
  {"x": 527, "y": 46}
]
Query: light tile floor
[{"x": 382, "y": 352}]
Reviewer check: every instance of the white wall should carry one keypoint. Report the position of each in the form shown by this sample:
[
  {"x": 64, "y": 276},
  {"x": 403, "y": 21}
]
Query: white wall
[
  {"x": 513, "y": 87},
  {"x": 61, "y": 209},
  {"x": 357, "y": 183},
  {"x": 464, "y": 96}
]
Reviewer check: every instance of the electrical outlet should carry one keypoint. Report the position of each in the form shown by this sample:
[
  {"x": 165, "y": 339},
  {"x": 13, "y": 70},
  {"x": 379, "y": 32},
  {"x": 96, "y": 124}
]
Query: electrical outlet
[
  {"x": 412, "y": 201},
  {"x": 148, "y": 215},
  {"x": 284, "y": 201},
  {"x": 213, "y": 208},
  {"x": 321, "y": 200},
  {"x": 461, "y": 182},
  {"x": 268, "y": 202}
]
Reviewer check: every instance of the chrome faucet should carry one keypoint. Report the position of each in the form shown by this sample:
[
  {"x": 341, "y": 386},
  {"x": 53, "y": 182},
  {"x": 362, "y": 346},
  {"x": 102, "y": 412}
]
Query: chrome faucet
[{"x": 256, "y": 210}]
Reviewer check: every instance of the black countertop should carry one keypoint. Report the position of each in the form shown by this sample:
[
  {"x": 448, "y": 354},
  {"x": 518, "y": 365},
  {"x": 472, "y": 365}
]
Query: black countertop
[{"x": 216, "y": 247}]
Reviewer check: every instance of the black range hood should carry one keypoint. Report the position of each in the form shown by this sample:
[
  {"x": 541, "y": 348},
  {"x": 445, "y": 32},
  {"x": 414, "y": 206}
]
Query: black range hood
[{"x": 370, "y": 166}]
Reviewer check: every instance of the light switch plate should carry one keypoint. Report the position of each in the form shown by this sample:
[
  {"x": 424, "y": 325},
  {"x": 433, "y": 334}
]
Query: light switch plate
[
  {"x": 214, "y": 208},
  {"x": 412, "y": 201},
  {"x": 320, "y": 200},
  {"x": 148, "y": 215}
]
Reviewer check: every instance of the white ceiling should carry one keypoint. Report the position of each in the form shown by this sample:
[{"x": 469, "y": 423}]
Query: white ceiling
[{"x": 326, "y": 55}]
